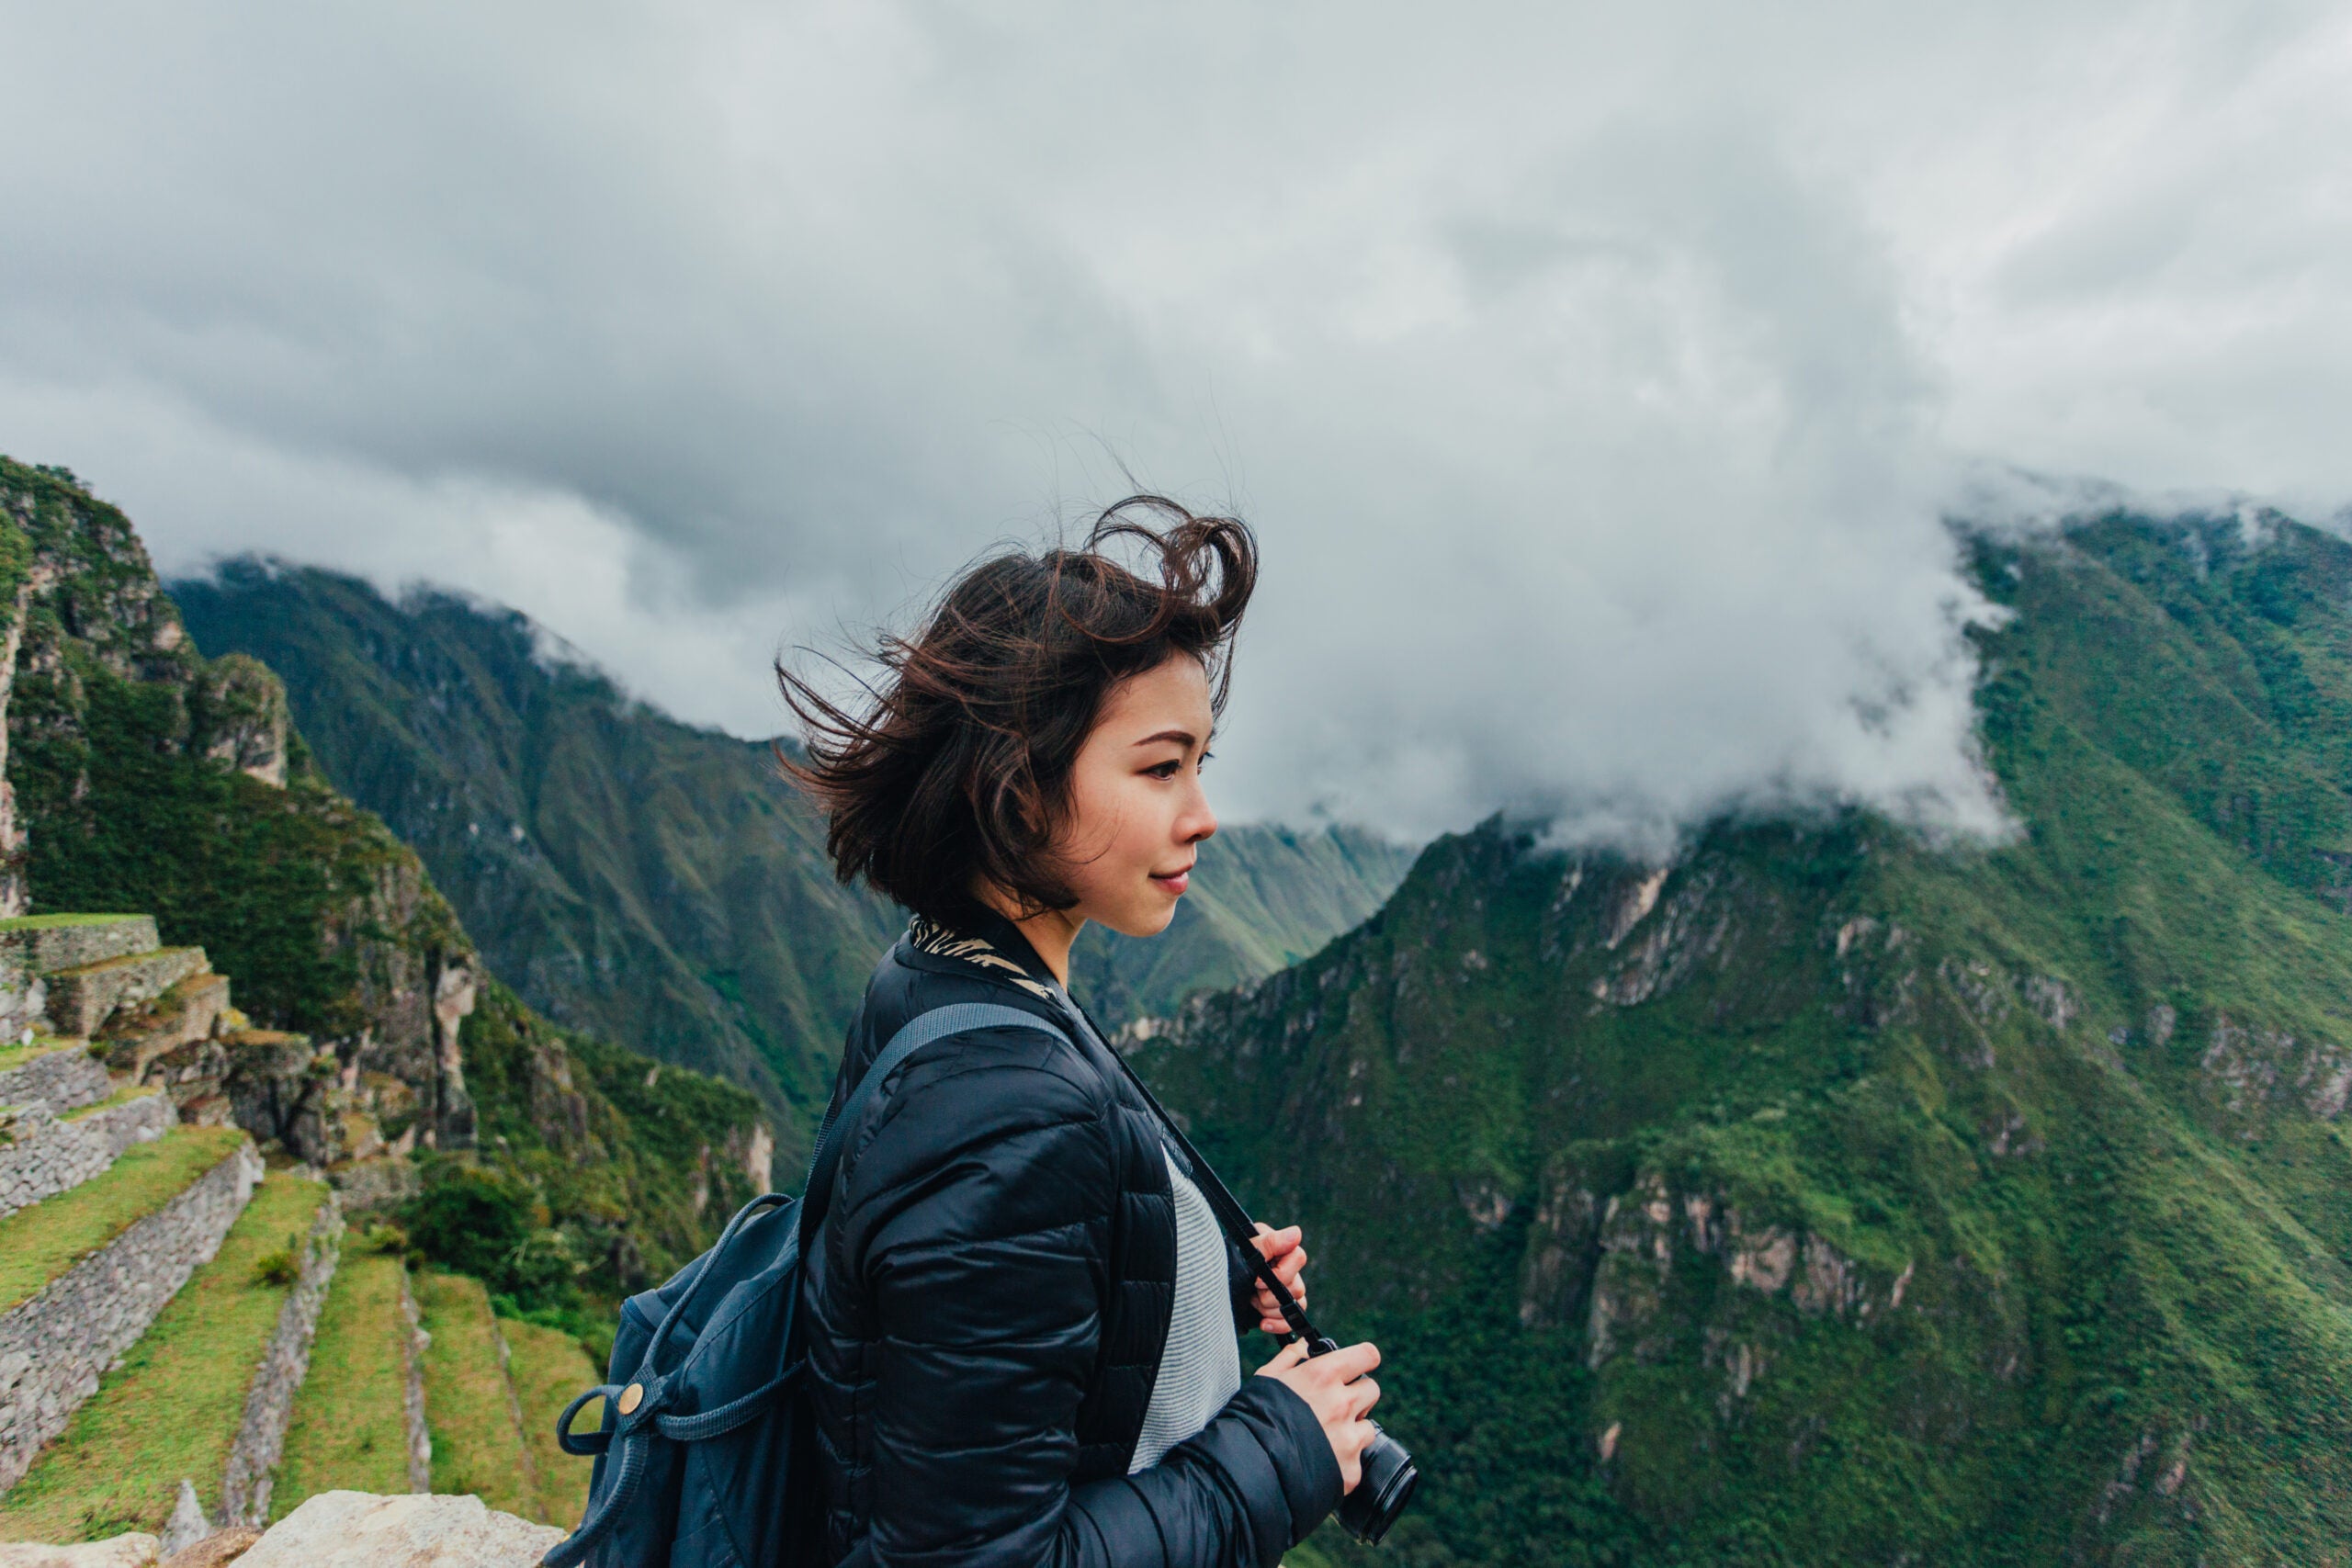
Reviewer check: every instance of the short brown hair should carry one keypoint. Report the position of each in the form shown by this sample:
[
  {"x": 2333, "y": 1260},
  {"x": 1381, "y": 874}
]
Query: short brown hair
[{"x": 959, "y": 769}]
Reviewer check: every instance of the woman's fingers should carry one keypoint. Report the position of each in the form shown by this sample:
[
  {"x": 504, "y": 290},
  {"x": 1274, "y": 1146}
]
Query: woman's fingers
[
  {"x": 1272, "y": 1243},
  {"x": 1281, "y": 1248},
  {"x": 1348, "y": 1362},
  {"x": 1337, "y": 1390},
  {"x": 1265, "y": 1296},
  {"x": 1284, "y": 1359}
]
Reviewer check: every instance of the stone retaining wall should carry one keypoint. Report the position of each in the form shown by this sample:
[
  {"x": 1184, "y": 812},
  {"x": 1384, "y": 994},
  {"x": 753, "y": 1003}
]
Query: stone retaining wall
[
  {"x": 54, "y": 1348},
  {"x": 420, "y": 1435},
  {"x": 76, "y": 943},
  {"x": 81, "y": 1000},
  {"x": 269, "y": 1403},
  {"x": 64, "y": 1079},
  {"x": 45, "y": 1156},
  {"x": 24, "y": 995}
]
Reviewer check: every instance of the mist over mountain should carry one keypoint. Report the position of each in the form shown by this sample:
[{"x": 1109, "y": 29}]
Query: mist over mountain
[
  {"x": 1598, "y": 380},
  {"x": 1816, "y": 1194},
  {"x": 660, "y": 884}
]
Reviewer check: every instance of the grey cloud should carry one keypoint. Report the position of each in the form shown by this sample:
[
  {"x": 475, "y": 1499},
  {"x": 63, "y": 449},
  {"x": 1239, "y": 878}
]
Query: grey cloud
[{"x": 1596, "y": 377}]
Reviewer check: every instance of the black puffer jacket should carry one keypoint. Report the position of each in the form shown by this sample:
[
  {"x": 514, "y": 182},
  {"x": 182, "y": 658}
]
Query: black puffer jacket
[{"x": 989, "y": 1297}]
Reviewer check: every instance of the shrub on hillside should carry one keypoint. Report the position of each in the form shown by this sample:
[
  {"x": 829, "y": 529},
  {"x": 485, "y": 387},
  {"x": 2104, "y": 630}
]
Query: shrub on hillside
[{"x": 281, "y": 1267}]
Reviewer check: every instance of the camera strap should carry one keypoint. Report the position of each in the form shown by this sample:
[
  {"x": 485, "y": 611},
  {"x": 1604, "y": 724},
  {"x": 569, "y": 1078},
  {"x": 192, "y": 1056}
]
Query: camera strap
[{"x": 1239, "y": 1227}]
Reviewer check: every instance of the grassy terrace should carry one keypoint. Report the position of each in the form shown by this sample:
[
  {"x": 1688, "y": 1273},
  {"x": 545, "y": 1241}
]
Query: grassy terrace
[
  {"x": 171, "y": 1408},
  {"x": 39, "y": 1244},
  {"x": 475, "y": 1446},
  {"x": 153, "y": 958},
  {"x": 58, "y": 923},
  {"x": 15, "y": 1055},
  {"x": 122, "y": 1095},
  {"x": 350, "y": 1429},
  {"x": 549, "y": 1369}
]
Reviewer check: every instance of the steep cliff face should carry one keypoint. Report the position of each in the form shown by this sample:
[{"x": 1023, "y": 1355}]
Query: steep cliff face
[
  {"x": 144, "y": 777},
  {"x": 1822, "y": 1197},
  {"x": 148, "y": 778}
]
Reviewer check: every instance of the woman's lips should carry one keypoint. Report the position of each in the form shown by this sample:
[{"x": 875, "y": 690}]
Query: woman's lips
[{"x": 1176, "y": 883}]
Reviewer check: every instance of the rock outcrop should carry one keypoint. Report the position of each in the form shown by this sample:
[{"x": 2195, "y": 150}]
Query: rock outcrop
[
  {"x": 122, "y": 737},
  {"x": 333, "y": 1529},
  {"x": 353, "y": 1530}
]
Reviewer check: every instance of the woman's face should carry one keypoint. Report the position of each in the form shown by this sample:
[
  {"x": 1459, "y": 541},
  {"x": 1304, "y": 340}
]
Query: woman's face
[{"x": 1137, "y": 810}]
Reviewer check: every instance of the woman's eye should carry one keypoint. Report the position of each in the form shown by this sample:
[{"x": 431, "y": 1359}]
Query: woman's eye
[{"x": 1165, "y": 770}]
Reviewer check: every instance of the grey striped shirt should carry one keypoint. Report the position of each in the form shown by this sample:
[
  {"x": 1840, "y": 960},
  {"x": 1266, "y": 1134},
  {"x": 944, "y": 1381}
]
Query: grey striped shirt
[{"x": 1200, "y": 1367}]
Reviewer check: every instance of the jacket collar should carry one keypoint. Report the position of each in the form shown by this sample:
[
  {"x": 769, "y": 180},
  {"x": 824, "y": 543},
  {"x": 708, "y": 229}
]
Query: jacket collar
[{"x": 990, "y": 941}]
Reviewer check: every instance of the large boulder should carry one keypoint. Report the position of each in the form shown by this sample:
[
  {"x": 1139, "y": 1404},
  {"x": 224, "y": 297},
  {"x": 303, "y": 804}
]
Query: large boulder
[{"x": 353, "y": 1530}]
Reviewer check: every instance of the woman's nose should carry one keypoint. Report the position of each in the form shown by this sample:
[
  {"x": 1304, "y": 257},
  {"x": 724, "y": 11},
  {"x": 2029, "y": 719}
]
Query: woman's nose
[{"x": 1198, "y": 821}]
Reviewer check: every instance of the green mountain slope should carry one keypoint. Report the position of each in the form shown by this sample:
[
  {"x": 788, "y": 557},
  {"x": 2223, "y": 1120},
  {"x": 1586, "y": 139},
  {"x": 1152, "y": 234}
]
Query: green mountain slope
[
  {"x": 633, "y": 876},
  {"x": 1263, "y": 897},
  {"x": 149, "y": 778},
  {"x": 658, "y": 883},
  {"x": 1823, "y": 1198}
]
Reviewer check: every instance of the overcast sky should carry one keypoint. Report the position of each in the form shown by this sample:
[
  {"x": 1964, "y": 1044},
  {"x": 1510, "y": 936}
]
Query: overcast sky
[{"x": 1595, "y": 375}]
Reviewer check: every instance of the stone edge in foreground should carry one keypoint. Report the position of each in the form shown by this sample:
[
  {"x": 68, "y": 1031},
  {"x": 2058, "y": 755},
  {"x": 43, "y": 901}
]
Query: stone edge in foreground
[{"x": 356, "y": 1529}]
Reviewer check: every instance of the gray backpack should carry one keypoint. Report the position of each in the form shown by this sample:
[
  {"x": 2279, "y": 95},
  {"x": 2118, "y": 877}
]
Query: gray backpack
[{"x": 705, "y": 1457}]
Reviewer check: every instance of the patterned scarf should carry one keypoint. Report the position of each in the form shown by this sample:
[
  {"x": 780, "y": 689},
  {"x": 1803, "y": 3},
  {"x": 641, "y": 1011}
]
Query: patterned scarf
[{"x": 928, "y": 936}]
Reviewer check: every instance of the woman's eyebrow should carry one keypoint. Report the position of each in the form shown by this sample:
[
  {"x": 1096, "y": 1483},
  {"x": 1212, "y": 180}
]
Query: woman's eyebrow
[{"x": 1180, "y": 736}]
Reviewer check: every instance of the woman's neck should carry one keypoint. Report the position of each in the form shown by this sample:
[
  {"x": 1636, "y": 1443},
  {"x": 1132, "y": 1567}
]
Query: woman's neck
[{"x": 1051, "y": 932}]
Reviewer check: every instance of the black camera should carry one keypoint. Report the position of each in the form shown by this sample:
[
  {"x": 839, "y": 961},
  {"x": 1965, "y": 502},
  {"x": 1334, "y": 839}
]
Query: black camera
[{"x": 1389, "y": 1476}]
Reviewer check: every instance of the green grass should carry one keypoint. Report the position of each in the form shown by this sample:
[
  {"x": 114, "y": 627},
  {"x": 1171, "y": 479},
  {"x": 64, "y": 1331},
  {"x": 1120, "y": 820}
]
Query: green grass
[
  {"x": 55, "y": 922},
  {"x": 549, "y": 1370},
  {"x": 476, "y": 1448},
  {"x": 122, "y": 1095},
  {"x": 171, "y": 1408},
  {"x": 15, "y": 1055},
  {"x": 349, "y": 1430},
  {"x": 39, "y": 1244}
]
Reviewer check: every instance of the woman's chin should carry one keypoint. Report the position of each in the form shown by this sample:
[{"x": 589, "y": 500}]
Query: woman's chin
[{"x": 1145, "y": 921}]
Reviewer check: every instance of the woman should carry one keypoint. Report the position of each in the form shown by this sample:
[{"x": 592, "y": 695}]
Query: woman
[{"x": 1020, "y": 1310}]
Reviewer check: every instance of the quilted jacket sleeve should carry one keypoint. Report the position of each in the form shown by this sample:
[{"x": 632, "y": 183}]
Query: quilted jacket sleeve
[{"x": 980, "y": 1215}]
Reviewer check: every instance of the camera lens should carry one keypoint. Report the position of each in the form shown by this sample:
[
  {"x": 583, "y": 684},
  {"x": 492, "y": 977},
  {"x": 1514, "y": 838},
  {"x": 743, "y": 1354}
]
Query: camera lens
[{"x": 1389, "y": 1477}]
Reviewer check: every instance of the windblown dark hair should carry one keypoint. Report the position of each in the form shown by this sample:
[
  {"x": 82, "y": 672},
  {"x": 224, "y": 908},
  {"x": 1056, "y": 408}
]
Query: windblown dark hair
[{"x": 959, "y": 770}]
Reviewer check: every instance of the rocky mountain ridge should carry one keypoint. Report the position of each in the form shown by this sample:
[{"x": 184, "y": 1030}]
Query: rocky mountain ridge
[{"x": 1824, "y": 1197}]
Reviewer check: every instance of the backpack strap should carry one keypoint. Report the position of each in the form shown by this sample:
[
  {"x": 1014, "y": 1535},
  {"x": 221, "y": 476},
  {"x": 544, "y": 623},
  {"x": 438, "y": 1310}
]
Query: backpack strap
[{"x": 816, "y": 1194}]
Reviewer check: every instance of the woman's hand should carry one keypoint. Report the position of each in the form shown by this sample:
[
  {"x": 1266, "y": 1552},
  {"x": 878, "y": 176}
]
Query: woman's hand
[
  {"x": 1281, "y": 1248},
  {"x": 1339, "y": 1390}
]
